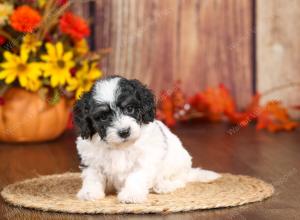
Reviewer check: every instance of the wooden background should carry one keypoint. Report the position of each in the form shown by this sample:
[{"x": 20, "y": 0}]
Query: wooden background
[
  {"x": 247, "y": 45},
  {"x": 278, "y": 49}
]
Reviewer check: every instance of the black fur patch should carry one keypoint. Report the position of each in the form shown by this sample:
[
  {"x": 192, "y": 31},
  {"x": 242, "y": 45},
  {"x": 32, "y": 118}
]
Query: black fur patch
[
  {"x": 81, "y": 112},
  {"x": 140, "y": 97},
  {"x": 133, "y": 99}
]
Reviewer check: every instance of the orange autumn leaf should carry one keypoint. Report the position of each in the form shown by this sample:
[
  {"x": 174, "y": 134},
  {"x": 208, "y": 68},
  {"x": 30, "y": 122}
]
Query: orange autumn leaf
[
  {"x": 243, "y": 118},
  {"x": 165, "y": 110},
  {"x": 274, "y": 117},
  {"x": 217, "y": 104},
  {"x": 178, "y": 97},
  {"x": 213, "y": 102},
  {"x": 172, "y": 106},
  {"x": 181, "y": 108}
]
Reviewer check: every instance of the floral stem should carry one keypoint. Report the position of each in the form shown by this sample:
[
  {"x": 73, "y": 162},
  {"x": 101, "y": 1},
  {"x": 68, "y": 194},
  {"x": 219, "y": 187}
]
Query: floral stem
[{"x": 50, "y": 17}]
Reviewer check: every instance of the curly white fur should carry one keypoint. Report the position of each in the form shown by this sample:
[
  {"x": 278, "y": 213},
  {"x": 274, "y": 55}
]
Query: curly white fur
[{"x": 156, "y": 161}]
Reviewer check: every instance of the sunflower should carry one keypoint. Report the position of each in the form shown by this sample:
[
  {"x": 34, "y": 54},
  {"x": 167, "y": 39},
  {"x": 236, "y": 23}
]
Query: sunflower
[
  {"x": 84, "y": 78},
  {"x": 57, "y": 64},
  {"x": 16, "y": 67},
  {"x": 30, "y": 43}
]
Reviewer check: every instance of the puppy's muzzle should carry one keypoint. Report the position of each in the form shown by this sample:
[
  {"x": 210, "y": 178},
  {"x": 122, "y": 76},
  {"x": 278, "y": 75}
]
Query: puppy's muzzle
[{"x": 124, "y": 133}]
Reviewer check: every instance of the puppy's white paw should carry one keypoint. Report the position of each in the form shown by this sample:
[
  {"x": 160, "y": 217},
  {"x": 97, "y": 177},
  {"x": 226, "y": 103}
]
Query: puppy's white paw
[
  {"x": 132, "y": 196},
  {"x": 90, "y": 194}
]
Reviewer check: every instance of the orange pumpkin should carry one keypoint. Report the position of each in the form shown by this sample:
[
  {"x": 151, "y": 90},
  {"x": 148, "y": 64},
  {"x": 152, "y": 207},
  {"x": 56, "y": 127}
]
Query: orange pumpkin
[{"x": 25, "y": 117}]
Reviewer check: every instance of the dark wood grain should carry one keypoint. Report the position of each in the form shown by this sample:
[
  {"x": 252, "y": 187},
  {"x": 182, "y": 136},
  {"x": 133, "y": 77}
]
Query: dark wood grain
[
  {"x": 200, "y": 42},
  {"x": 271, "y": 157}
]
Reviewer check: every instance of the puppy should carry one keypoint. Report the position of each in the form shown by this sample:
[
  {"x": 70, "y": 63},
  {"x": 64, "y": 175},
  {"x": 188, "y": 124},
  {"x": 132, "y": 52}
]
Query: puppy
[{"x": 124, "y": 149}]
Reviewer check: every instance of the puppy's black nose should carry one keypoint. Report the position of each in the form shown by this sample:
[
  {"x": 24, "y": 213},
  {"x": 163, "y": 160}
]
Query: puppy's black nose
[{"x": 124, "y": 133}]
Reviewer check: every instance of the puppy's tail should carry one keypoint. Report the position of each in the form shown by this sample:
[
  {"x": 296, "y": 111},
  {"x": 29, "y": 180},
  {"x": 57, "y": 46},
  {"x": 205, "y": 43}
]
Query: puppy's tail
[{"x": 200, "y": 175}]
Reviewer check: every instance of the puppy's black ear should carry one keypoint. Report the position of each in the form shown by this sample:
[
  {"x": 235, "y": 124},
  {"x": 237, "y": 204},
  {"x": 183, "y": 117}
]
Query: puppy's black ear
[
  {"x": 147, "y": 101},
  {"x": 81, "y": 116}
]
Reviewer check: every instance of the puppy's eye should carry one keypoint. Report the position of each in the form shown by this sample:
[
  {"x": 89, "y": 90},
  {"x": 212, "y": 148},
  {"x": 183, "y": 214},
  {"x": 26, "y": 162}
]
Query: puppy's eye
[
  {"x": 103, "y": 117},
  {"x": 129, "y": 109}
]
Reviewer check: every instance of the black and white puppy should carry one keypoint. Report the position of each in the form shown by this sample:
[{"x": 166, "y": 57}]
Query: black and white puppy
[{"x": 124, "y": 149}]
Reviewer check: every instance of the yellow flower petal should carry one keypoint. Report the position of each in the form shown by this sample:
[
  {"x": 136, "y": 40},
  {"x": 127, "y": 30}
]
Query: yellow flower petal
[
  {"x": 10, "y": 78},
  {"x": 24, "y": 55},
  {"x": 9, "y": 56},
  {"x": 70, "y": 64},
  {"x": 23, "y": 80},
  {"x": 79, "y": 93},
  {"x": 68, "y": 56},
  {"x": 59, "y": 50},
  {"x": 88, "y": 86},
  {"x": 8, "y": 65},
  {"x": 72, "y": 85},
  {"x": 54, "y": 81},
  {"x": 50, "y": 50},
  {"x": 94, "y": 74},
  {"x": 41, "y": 3},
  {"x": 45, "y": 58},
  {"x": 3, "y": 74}
]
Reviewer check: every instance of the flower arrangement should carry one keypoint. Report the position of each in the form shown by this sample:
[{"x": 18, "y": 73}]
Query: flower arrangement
[
  {"x": 44, "y": 50},
  {"x": 45, "y": 64}
]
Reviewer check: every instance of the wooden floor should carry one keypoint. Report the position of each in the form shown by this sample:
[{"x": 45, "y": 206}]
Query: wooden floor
[{"x": 274, "y": 158}]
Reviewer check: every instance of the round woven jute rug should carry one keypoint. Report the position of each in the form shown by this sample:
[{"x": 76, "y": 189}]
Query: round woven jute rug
[{"x": 58, "y": 193}]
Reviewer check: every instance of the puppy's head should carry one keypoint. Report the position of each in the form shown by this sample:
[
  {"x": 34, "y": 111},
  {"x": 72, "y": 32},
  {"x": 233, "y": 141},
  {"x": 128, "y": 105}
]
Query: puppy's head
[{"x": 116, "y": 109}]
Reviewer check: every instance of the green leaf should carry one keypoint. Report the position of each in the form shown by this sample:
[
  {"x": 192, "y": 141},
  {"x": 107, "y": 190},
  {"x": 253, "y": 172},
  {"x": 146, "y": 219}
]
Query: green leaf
[{"x": 55, "y": 98}]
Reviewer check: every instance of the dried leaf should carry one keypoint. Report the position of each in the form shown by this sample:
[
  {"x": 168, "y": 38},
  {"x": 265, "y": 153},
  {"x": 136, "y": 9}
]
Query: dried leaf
[
  {"x": 243, "y": 118},
  {"x": 213, "y": 102},
  {"x": 274, "y": 117},
  {"x": 216, "y": 103},
  {"x": 165, "y": 111}
]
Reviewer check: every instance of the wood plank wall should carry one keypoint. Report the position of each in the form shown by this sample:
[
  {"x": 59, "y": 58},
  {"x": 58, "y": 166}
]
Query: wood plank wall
[
  {"x": 278, "y": 49},
  {"x": 201, "y": 42}
]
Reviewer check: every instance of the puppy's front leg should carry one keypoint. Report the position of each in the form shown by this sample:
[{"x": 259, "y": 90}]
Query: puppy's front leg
[
  {"x": 135, "y": 189},
  {"x": 93, "y": 185}
]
